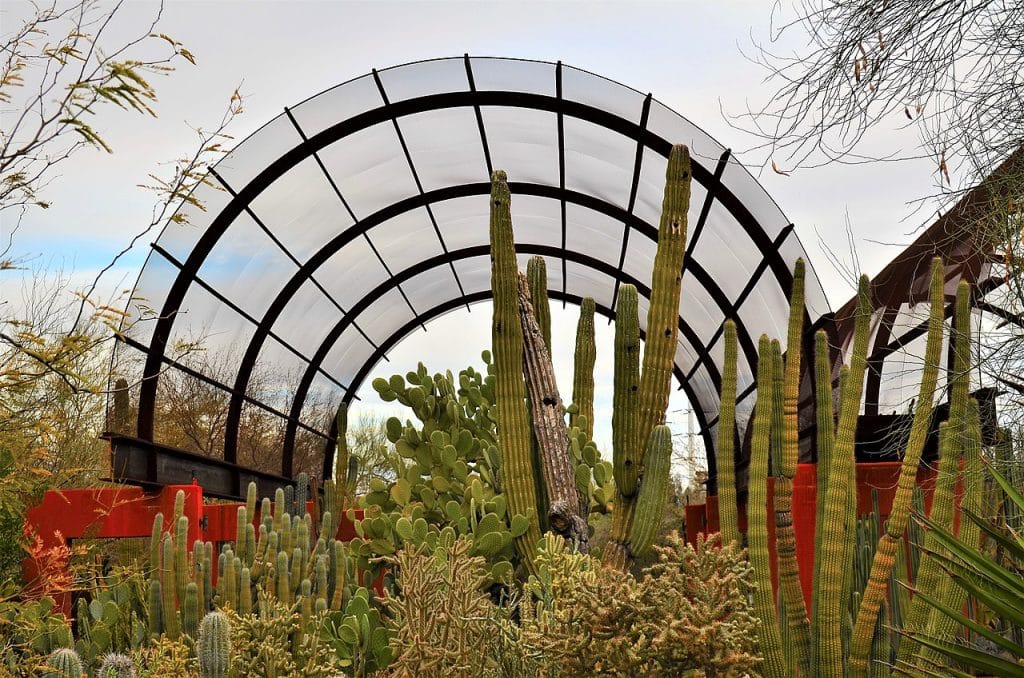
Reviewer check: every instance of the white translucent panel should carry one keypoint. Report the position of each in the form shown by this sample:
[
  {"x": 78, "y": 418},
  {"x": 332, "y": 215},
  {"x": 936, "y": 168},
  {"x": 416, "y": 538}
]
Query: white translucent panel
[
  {"x": 514, "y": 75},
  {"x": 598, "y": 162},
  {"x": 464, "y": 222},
  {"x": 180, "y": 237},
  {"x": 209, "y": 336},
  {"x": 725, "y": 249},
  {"x": 536, "y": 220},
  {"x": 766, "y": 310},
  {"x": 593, "y": 233},
  {"x": 698, "y": 309},
  {"x": 321, "y": 403},
  {"x": 258, "y": 152},
  {"x": 745, "y": 187},
  {"x": 814, "y": 296},
  {"x": 601, "y": 93},
  {"x": 423, "y": 78},
  {"x": 523, "y": 142},
  {"x": 901, "y": 375},
  {"x": 586, "y": 282},
  {"x": 432, "y": 287},
  {"x": 639, "y": 261},
  {"x": 350, "y": 273},
  {"x": 301, "y": 209},
  {"x": 704, "y": 387},
  {"x": 276, "y": 375},
  {"x": 388, "y": 313},
  {"x": 370, "y": 169},
  {"x": 445, "y": 147},
  {"x": 306, "y": 319},
  {"x": 651, "y": 189},
  {"x": 147, "y": 299},
  {"x": 552, "y": 266},
  {"x": 406, "y": 239},
  {"x": 475, "y": 274},
  {"x": 347, "y": 355},
  {"x": 686, "y": 356},
  {"x": 247, "y": 267},
  {"x": 316, "y": 114},
  {"x": 676, "y": 129}
]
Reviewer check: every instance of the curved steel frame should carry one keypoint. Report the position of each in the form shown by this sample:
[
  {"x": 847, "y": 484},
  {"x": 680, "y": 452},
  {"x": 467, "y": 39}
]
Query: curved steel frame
[{"x": 394, "y": 112}]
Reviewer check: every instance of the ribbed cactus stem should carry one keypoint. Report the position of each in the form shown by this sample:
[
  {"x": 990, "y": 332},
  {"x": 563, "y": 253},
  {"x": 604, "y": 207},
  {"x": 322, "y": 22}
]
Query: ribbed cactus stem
[
  {"x": 244, "y": 592},
  {"x": 172, "y": 627},
  {"x": 886, "y": 553},
  {"x": 788, "y": 455},
  {"x": 214, "y": 646},
  {"x": 154, "y": 542},
  {"x": 837, "y": 532},
  {"x": 181, "y": 573},
  {"x": 241, "y": 518},
  {"x": 154, "y": 603},
  {"x": 179, "y": 506},
  {"x": 825, "y": 441},
  {"x": 583, "y": 372},
  {"x": 650, "y": 503},
  {"x": 65, "y": 663},
  {"x": 728, "y": 515},
  {"x": 666, "y": 284},
  {"x": 190, "y": 611},
  {"x": 510, "y": 390},
  {"x": 283, "y": 579},
  {"x": 250, "y": 501},
  {"x": 775, "y": 665},
  {"x": 625, "y": 456},
  {"x": 341, "y": 462},
  {"x": 339, "y": 570},
  {"x": 537, "y": 274}
]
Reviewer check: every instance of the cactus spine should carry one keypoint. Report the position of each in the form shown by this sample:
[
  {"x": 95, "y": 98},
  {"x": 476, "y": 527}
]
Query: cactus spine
[
  {"x": 214, "y": 646},
  {"x": 896, "y": 524},
  {"x": 116, "y": 665},
  {"x": 510, "y": 390},
  {"x": 65, "y": 663},
  {"x": 757, "y": 514},
  {"x": 726, "y": 460},
  {"x": 583, "y": 374},
  {"x": 537, "y": 274}
]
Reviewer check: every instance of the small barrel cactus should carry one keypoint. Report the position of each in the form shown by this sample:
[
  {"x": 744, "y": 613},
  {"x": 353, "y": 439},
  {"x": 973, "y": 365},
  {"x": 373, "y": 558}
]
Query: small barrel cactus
[
  {"x": 116, "y": 665},
  {"x": 214, "y": 646},
  {"x": 65, "y": 663}
]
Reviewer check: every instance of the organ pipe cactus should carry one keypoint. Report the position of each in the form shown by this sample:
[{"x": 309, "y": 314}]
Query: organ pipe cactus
[
  {"x": 537, "y": 275},
  {"x": 726, "y": 460}
]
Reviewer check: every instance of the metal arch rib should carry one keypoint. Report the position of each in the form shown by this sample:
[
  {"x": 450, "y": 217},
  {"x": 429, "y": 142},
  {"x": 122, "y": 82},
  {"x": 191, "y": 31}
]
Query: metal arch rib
[
  {"x": 472, "y": 298},
  {"x": 363, "y": 120},
  {"x": 429, "y": 264}
]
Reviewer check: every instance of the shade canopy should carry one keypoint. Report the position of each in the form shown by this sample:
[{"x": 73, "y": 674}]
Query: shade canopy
[{"x": 361, "y": 214}]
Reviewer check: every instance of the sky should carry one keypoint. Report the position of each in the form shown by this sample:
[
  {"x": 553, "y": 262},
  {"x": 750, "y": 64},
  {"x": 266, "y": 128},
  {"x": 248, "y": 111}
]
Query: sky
[{"x": 693, "y": 56}]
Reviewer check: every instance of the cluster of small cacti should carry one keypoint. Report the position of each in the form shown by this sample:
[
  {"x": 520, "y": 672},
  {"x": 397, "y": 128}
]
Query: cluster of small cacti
[{"x": 858, "y": 608}]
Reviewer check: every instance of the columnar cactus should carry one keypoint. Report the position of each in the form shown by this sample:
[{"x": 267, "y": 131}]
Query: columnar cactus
[
  {"x": 520, "y": 483},
  {"x": 725, "y": 450},
  {"x": 214, "y": 646},
  {"x": 537, "y": 274},
  {"x": 583, "y": 373},
  {"x": 172, "y": 627},
  {"x": 896, "y": 524}
]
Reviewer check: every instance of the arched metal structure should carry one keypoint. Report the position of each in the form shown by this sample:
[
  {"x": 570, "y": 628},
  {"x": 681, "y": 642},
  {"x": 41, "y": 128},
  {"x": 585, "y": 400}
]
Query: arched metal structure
[{"x": 360, "y": 214}]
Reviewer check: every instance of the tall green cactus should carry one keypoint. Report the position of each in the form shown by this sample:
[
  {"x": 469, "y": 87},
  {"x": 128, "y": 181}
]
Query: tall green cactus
[
  {"x": 725, "y": 450},
  {"x": 896, "y": 524},
  {"x": 625, "y": 462},
  {"x": 172, "y": 626},
  {"x": 787, "y": 455},
  {"x": 537, "y": 275},
  {"x": 214, "y": 646},
  {"x": 510, "y": 390},
  {"x": 651, "y": 500},
  {"x": 775, "y": 663},
  {"x": 583, "y": 372}
]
